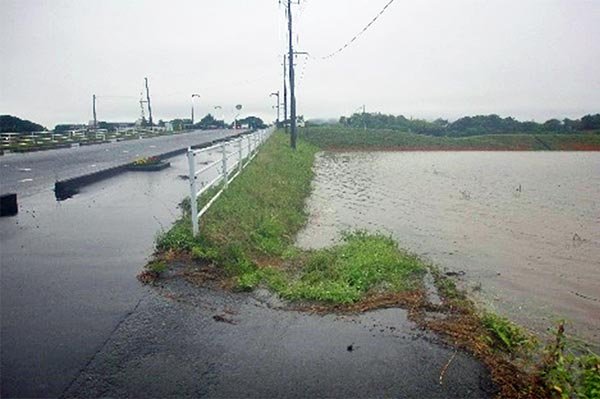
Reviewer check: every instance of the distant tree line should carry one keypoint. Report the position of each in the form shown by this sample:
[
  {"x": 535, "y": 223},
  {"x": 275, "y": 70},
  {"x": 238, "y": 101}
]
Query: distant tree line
[
  {"x": 210, "y": 122},
  {"x": 12, "y": 124},
  {"x": 253, "y": 122},
  {"x": 470, "y": 125}
]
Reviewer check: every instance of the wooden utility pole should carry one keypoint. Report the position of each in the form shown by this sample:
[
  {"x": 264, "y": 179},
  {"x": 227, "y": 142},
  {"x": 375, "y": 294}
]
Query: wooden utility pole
[
  {"x": 148, "y": 101},
  {"x": 364, "y": 119},
  {"x": 294, "y": 132},
  {"x": 94, "y": 110},
  {"x": 285, "y": 113},
  {"x": 276, "y": 94}
]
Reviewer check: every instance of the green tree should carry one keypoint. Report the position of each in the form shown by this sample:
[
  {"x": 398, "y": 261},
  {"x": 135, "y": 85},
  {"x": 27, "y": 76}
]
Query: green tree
[
  {"x": 253, "y": 122},
  {"x": 590, "y": 122},
  {"x": 12, "y": 124}
]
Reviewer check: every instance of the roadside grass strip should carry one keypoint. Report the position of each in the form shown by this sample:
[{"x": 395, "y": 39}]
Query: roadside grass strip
[{"x": 249, "y": 233}]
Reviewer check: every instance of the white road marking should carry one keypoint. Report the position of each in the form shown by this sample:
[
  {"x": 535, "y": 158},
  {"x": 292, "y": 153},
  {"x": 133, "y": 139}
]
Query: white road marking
[
  {"x": 24, "y": 169},
  {"x": 25, "y": 180}
]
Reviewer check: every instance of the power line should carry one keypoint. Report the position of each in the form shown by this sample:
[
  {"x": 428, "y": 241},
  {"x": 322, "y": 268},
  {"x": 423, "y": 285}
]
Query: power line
[
  {"x": 111, "y": 96},
  {"x": 348, "y": 43},
  {"x": 303, "y": 70}
]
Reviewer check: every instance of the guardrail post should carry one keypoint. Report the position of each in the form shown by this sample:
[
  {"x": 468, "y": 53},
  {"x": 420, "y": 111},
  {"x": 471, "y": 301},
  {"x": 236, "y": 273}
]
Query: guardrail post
[
  {"x": 240, "y": 158},
  {"x": 224, "y": 151},
  {"x": 193, "y": 202}
]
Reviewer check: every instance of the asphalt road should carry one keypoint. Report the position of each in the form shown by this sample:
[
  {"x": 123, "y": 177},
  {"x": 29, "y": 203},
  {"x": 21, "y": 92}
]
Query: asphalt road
[
  {"x": 68, "y": 269},
  {"x": 192, "y": 343},
  {"x": 30, "y": 173}
]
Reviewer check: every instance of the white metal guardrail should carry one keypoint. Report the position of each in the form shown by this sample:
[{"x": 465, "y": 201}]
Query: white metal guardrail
[{"x": 232, "y": 157}]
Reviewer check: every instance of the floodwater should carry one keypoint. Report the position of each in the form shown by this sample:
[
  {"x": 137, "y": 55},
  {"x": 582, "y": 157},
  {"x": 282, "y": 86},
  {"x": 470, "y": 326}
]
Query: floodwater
[{"x": 524, "y": 227}]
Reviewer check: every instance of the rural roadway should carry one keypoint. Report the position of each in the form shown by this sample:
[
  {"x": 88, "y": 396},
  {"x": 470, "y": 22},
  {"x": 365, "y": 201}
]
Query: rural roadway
[
  {"x": 30, "y": 173},
  {"x": 67, "y": 269},
  {"x": 75, "y": 322}
]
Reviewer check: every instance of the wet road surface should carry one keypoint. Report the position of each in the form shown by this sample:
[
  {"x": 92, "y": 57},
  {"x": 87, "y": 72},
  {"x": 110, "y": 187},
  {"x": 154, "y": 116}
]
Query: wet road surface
[
  {"x": 30, "y": 173},
  {"x": 172, "y": 346},
  {"x": 68, "y": 272},
  {"x": 523, "y": 226}
]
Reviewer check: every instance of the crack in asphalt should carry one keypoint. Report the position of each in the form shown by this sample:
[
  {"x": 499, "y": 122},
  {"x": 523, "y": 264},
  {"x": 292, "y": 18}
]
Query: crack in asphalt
[{"x": 102, "y": 346}]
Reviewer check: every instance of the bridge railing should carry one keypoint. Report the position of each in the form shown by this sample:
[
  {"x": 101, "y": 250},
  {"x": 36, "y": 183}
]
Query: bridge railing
[{"x": 219, "y": 164}]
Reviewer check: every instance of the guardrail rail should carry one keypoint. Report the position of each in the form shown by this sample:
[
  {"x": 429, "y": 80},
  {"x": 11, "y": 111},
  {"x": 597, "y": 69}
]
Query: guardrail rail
[{"x": 233, "y": 156}]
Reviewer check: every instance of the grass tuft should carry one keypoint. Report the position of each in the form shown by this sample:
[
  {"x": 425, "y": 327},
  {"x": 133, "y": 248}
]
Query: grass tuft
[{"x": 505, "y": 335}]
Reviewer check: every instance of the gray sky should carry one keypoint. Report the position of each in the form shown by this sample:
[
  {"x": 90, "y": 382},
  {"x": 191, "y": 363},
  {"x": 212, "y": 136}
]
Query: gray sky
[{"x": 525, "y": 58}]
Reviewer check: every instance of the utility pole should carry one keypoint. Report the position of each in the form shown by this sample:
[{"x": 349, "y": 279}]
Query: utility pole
[
  {"x": 294, "y": 132},
  {"x": 285, "y": 113},
  {"x": 142, "y": 102},
  {"x": 216, "y": 107},
  {"x": 193, "y": 95},
  {"x": 276, "y": 94},
  {"x": 364, "y": 119},
  {"x": 148, "y": 101},
  {"x": 94, "y": 110}
]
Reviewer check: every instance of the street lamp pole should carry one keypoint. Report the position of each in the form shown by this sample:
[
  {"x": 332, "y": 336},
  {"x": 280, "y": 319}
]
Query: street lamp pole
[
  {"x": 276, "y": 94},
  {"x": 193, "y": 95},
  {"x": 216, "y": 107}
]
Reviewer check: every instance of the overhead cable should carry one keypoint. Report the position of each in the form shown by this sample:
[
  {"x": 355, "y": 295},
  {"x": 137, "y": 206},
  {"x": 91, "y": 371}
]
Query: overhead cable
[{"x": 348, "y": 43}]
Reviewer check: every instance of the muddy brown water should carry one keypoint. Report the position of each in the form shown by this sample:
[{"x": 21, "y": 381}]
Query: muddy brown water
[{"x": 524, "y": 227}]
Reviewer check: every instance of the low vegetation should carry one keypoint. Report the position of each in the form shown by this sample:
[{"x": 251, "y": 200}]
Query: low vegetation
[
  {"x": 505, "y": 335},
  {"x": 344, "y": 138},
  {"x": 471, "y": 125},
  {"x": 247, "y": 240}
]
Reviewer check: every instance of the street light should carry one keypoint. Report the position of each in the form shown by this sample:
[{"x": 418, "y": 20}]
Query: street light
[
  {"x": 238, "y": 108},
  {"x": 216, "y": 107},
  {"x": 193, "y": 95},
  {"x": 277, "y": 106}
]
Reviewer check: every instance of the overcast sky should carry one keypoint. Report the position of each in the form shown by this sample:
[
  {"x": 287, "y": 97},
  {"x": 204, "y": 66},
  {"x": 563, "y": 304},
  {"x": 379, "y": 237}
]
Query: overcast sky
[{"x": 525, "y": 58}]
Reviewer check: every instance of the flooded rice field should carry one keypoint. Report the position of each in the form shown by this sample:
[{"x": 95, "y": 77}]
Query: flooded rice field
[{"x": 522, "y": 229}]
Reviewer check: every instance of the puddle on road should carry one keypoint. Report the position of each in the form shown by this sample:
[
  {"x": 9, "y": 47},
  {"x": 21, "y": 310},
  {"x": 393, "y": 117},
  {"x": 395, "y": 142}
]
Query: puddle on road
[{"x": 523, "y": 226}]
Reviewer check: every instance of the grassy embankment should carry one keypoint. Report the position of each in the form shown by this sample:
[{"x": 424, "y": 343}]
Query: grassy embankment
[
  {"x": 247, "y": 240},
  {"x": 339, "y": 138},
  {"x": 250, "y": 234}
]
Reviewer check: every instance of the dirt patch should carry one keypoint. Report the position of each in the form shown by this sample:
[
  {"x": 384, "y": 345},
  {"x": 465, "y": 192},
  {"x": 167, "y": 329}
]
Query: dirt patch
[{"x": 579, "y": 147}]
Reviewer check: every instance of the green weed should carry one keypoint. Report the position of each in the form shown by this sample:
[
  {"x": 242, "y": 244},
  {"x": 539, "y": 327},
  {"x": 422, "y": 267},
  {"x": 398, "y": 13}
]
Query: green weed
[
  {"x": 504, "y": 335},
  {"x": 570, "y": 374},
  {"x": 157, "y": 267}
]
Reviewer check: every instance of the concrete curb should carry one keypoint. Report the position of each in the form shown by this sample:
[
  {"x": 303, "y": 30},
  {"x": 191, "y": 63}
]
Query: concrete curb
[
  {"x": 64, "y": 189},
  {"x": 8, "y": 204}
]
